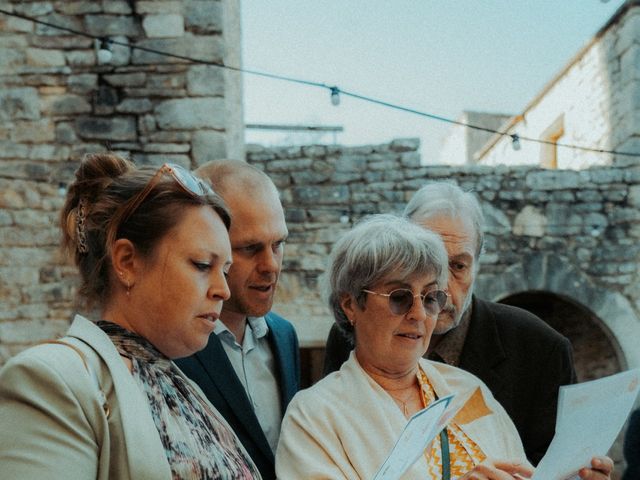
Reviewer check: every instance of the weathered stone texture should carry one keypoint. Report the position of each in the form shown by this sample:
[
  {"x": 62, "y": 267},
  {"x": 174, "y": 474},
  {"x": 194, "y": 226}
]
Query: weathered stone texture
[
  {"x": 189, "y": 114},
  {"x": 163, "y": 25}
]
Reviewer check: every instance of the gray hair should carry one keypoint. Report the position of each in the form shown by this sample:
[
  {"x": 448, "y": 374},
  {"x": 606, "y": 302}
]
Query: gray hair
[
  {"x": 441, "y": 198},
  {"x": 377, "y": 247}
]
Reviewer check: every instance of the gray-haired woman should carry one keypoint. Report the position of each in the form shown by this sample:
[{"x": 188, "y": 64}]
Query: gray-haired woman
[{"x": 384, "y": 286}]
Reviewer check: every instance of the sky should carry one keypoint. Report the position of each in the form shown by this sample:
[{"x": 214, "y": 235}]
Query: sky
[{"x": 436, "y": 56}]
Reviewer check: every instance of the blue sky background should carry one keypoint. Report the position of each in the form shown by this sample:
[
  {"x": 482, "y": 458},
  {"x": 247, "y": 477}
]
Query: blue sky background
[{"x": 438, "y": 56}]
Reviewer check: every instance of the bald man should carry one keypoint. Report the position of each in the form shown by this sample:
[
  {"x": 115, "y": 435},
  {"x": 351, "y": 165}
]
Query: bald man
[{"x": 250, "y": 368}]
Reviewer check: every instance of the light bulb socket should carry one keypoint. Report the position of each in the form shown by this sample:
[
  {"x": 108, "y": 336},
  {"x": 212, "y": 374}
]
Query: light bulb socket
[
  {"x": 515, "y": 142},
  {"x": 105, "y": 51},
  {"x": 335, "y": 96}
]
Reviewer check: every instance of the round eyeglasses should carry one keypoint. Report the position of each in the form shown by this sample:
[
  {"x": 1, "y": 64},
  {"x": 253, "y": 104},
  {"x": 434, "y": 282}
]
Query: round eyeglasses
[{"x": 401, "y": 300}]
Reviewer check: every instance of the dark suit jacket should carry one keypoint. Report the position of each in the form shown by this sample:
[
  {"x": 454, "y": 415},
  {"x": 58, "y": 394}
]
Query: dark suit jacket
[
  {"x": 211, "y": 369},
  {"x": 632, "y": 448},
  {"x": 520, "y": 358}
]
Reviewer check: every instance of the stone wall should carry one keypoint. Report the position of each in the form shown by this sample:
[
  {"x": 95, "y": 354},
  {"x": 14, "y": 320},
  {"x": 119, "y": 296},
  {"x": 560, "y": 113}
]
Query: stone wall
[
  {"x": 572, "y": 234},
  {"x": 594, "y": 101},
  {"x": 57, "y": 103}
]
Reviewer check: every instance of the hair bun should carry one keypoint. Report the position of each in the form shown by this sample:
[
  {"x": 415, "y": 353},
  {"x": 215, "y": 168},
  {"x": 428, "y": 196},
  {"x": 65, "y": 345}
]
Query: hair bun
[{"x": 97, "y": 170}]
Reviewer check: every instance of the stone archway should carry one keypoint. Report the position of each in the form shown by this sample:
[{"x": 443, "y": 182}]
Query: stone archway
[
  {"x": 555, "y": 274},
  {"x": 596, "y": 352}
]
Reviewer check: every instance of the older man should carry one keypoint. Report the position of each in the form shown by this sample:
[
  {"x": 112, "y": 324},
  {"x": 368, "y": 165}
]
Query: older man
[
  {"x": 519, "y": 357},
  {"x": 250, "y": 368}
]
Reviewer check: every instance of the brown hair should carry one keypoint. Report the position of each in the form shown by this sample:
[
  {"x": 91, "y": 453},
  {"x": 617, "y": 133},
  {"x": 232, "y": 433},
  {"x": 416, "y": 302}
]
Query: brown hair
[{"x": 103, "y": 184}]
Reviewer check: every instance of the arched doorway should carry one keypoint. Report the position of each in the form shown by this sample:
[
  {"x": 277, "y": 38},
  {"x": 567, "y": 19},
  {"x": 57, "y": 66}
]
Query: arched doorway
[{"x": 596, "y": 352}]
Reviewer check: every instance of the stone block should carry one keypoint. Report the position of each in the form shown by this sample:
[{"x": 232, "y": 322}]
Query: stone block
[
  {"x": 163, "y": 25},
  {"x": 40, "y": 131},
  {"x": 337, "y": 194},
  {"x": 34, "y": 9},
  {"x": 81, "y": 58},
  {"x": 348, "y": 163},
  {"x": 496, "y": 222},
  {"x": 342, "y": 178},
  {"x": 203, "y": 16},
  {"x": 45, "y": 57},
  {"x": 19, "y": 104},
  {"x": 135, "y": 105},
  {"x": 81, "y": 7},
  {"x": 137, "y": 79},
  {"x": 166, "y": 148},
  {"x": 109, "y": 25},
  {"x": 208, "y": 145},
  {"x": 209, "y": 49},
  {"x": 12, "y": 150},
  {"x": 13, "y": 41},
  {"x": 49, "y": 153},
  {"x": 170, "y": 137},
  {"x": 628, "y": 32},
  {"x": 205, "y": 80},
  {"x": 530, "y": 221},
  {"x": 31, "y": 331},
  {"x": 14, "y": 24},
  {"x": 309, "y": 177},
  {"x": 634, "y": 196},
  {"x": 82, "y": 83},
  {"x": 160, "y": 159},
  {"x": 287, "y": 166},
  {"x": 405, "y": 145},
  {"x": 553, "y": 180},
  {"x": 146, "y": 7},
  {"x": 65, "y": 133},
  {"x": 120, "y": 7},
  {"x": 65, "y": 21},
  {"x": 191, "y": 113},
  {"x": 113, "y": 129},
  {"x": 170, "y": 81},
  {"x": 65, "y": 105}
]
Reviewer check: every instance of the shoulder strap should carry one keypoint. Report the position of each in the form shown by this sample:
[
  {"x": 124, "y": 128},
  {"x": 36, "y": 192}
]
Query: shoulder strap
[{"x": 92, "y": 374}]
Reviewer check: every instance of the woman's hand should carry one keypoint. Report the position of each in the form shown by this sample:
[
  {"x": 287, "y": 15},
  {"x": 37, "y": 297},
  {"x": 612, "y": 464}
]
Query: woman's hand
[
  {"x": 601, "y": 469},
  {"x": 502, "y": 470}
]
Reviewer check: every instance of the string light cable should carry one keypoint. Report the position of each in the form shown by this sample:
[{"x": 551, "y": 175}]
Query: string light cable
[{"x": 334, "y": 91}]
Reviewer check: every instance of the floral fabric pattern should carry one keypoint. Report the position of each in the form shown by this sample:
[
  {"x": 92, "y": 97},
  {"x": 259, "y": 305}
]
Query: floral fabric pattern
[{"x": 198, "y": 444}]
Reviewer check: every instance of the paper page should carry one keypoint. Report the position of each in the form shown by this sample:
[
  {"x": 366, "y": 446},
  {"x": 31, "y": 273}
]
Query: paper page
[
  {"x": 590, "y": 416},
  {"x": 416, "y": 435}
]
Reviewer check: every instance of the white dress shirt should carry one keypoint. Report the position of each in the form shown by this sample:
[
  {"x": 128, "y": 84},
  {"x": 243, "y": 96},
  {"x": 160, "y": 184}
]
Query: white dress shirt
[{"x": 254, "y": 364}]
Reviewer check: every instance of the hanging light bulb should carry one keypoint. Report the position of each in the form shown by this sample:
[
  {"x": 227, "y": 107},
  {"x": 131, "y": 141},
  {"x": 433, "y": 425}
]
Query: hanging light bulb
[
  {"x": 515, "y": 142},
  {"x": 105, "y": 52},
  {"x": 335, "y": 96}
]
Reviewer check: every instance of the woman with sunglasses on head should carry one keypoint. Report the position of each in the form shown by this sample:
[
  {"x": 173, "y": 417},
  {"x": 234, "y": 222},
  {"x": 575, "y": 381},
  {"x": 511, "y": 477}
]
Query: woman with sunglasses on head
[
  {"x": 107, "y": 401},
  {"x": 383, "y": 285}
]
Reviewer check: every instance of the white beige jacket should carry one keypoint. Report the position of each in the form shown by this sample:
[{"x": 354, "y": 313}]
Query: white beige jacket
[{"x": 345, "y": 426}]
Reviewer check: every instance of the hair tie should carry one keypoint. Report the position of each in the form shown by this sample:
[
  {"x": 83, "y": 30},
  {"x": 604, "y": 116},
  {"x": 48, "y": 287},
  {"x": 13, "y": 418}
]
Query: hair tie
[{"x": 81, "y": 227}]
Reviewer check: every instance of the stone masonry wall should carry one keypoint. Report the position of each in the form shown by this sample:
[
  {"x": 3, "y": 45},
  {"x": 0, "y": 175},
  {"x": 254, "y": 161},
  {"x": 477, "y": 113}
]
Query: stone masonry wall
[
  {"x": 595, "y": 101},
  {"x": 57, "y": 103},
  {"x": 573, "y": 234}
]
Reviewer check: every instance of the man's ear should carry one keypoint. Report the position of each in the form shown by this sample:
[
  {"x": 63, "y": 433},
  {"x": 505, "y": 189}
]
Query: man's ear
[{"x": 124, "y": 260}]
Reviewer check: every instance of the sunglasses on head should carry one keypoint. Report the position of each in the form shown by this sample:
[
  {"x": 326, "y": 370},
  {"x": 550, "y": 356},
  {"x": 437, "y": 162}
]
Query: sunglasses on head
[
  {"x": 401, "y": 300},
  {"x": 183, "y": 177}
]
